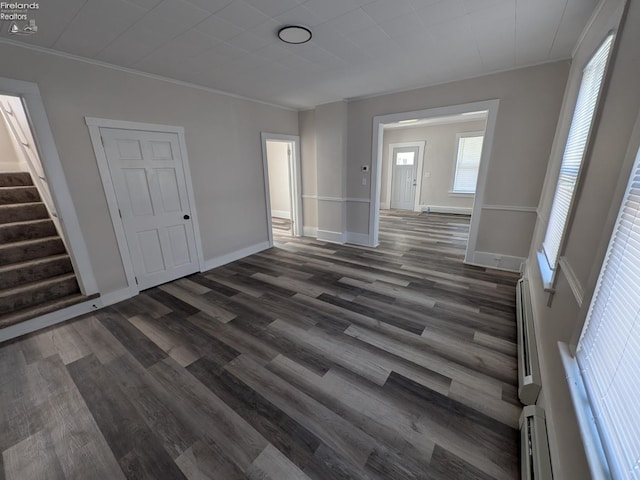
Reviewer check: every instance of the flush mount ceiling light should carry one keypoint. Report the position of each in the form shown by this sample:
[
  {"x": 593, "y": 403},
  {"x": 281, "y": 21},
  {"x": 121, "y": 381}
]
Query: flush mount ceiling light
[{"x": 294, "y": 34}]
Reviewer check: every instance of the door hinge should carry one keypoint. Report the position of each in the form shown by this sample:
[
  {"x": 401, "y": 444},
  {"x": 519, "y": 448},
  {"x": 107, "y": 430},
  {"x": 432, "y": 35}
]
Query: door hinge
[
  {"x": 120, "y": 213},
  {"x": 136, "y": 278}
]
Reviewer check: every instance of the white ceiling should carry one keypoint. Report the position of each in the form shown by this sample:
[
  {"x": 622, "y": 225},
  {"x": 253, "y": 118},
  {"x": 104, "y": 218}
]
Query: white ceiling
[{"x": 359, "y": 47}]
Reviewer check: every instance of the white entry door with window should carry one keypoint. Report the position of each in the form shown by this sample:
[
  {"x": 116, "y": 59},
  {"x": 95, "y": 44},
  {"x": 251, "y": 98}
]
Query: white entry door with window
[
  {"x": 404, "y": 177},
  {"x": 148, "y": 178}
]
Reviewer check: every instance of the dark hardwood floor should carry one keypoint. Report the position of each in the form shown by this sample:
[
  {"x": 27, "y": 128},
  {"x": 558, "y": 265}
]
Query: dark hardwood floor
[{"x": 309, "y": 360}]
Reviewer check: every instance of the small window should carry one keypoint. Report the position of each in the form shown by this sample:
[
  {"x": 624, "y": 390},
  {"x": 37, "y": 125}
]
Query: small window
[
  {"x": 467, "y": 162},
  {"x": 405, "y": 158}
]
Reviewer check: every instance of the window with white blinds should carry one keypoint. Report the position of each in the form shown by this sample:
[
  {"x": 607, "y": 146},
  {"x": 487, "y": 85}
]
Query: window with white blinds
[
  {"x": 590, "y": 87},
  {"x": 467, "y": 163},
  {"x": 609, "y": 349}
]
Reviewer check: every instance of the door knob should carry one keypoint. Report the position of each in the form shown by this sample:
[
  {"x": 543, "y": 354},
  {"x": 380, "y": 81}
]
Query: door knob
[{"x": 186, "y": 217}]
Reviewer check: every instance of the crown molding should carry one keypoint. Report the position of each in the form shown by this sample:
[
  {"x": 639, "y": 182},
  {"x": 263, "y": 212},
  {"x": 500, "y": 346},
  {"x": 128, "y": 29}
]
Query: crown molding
[{"x": 132, "y": 71}]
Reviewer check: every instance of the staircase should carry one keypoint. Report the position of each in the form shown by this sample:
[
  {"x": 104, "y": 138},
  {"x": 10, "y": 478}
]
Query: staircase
[{"x": 36, "y": 275}]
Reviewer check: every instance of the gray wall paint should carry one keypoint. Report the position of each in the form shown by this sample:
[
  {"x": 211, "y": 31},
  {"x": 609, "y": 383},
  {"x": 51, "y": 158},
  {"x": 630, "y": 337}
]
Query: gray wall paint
[
  {"x": 439, "y": 161},
  {"x": 279, "y": 184},
  {"x": 222, "y": 136},
  {"x": 615, "y": 143},
  {"x": 308, "y": 165},
  {"x": 530, "y": 100},
  {"x": 331, "y": 153}
]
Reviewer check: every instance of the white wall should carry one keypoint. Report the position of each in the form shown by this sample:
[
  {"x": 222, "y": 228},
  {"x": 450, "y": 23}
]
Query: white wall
[
  {"x": 279, "y": 183},
  {"x": 222, "y": 136},
  {"x": 615, "y": 142},
  {"x": 10, "y": 161},
  {"x": 530, "y": 100},
  {"x": 439, "y": 161}
]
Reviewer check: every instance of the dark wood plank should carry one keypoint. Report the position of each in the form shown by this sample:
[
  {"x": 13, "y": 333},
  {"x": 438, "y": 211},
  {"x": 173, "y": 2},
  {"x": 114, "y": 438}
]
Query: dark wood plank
[
  {"x": 136, "y": 343},
  {"x": 138, "y": 450}
]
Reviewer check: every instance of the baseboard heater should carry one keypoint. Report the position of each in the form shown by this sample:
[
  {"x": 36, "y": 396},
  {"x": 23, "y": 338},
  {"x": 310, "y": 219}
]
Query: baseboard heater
[
  {"x": 528, "y": 366},
  {"x": 534, "y": 446}
]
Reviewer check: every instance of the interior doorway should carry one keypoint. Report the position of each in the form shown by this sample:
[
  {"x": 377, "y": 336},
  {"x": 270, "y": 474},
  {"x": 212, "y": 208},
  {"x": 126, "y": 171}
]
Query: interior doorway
[
  {"x": 28, "y": 129},
  {"x": 452, "y": 175},
  {"x": 281, "y": 160}
]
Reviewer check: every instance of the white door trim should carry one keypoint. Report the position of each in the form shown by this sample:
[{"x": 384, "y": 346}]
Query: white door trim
[
  {"x": 376, "y": 161},
  {"x": 421, "y": 147},
  {"x": 294, "y": 178},
  {"x": 94, "y": 125},
  {"x": 45, "y": 143}
]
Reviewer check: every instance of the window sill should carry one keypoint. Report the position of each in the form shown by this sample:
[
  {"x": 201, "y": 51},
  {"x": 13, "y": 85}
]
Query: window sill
[
  {"x": 545, "y": 272},
  {"x": 453, "y": 193},
  {"x": 591, "y": 440}
]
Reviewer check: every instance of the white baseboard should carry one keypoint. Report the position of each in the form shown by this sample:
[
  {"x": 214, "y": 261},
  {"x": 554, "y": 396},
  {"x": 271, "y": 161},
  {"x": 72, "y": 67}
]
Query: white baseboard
[
  {"x": 310, "y": 231},
  {"x": 332, "y": 237},
  {"x": 65, "y": 314},
  {"x": 497, "y": 261},
  {"x": 358, "y": 238},
  {"x": 441, "y": 209},
  {"x": 281, "y": 214},
  {"x": 237, "y": 255}
]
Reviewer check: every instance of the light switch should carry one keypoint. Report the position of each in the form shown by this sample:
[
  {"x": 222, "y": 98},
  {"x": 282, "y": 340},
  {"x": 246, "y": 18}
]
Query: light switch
[
  {"x": 364, "y": 180},
  {"x": 427, "y": 174}
]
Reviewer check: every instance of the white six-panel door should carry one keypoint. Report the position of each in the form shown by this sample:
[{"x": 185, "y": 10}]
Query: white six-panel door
[{"x": 149, "y": 182}]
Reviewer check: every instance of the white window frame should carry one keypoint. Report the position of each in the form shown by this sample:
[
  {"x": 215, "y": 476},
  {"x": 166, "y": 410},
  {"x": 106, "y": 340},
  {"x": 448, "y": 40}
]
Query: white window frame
[
  {"x": 549, "y": 268},
  {"x": 460, "y": 136}
]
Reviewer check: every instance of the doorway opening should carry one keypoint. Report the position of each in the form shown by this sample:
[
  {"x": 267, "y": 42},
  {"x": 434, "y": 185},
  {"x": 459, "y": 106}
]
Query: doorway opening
[
  {"x": 281, "y": 161},
  {"x": 432, "y": 161},
  {"x": 46, "y": 273}
]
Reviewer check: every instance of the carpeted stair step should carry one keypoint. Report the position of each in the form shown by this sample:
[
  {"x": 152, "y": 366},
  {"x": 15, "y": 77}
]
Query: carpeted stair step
[
  {"x": 20, "y": 212},
  {"x": 34, "y": 293},
  {"x": 16, "y": 274},
  {"x": 31, "y": 229},
  {"x": 29, "y": 249},
  {"x": 42, "y": 309},
  {"x": 15, "y": 179},
  {"x": 10, "y": 195}
]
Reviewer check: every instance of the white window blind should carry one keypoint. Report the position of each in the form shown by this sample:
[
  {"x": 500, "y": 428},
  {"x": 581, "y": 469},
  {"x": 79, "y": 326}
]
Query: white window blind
[
  {"x": 467, "y": 163},
  {"x": 588, "y": 95},
  {"x": 609, "y": 349}
]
